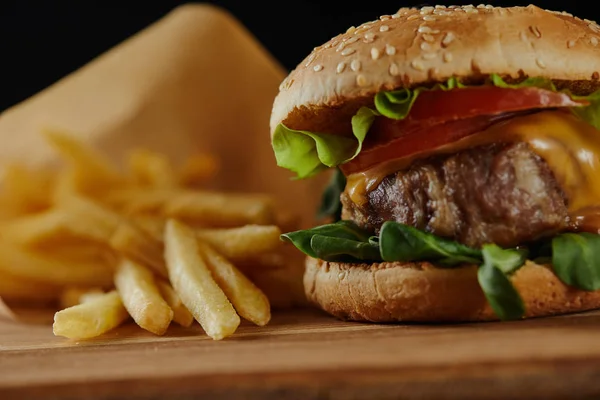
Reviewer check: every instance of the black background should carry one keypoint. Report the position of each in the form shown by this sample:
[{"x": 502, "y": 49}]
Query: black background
[{"x": 42, "y": 41}]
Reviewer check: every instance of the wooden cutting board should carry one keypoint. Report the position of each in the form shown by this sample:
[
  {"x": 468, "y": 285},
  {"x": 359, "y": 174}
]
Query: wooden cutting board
[{"x": 307, "y": 355}]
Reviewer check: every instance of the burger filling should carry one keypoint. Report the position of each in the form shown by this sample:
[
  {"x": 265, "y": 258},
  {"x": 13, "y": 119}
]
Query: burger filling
[
  {"x": 499, "y": 193},
  {"x": 493, "y": 175}
]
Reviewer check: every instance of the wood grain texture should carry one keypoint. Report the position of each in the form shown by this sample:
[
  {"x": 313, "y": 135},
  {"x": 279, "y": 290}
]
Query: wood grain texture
[{"x": 307, "y": 355}]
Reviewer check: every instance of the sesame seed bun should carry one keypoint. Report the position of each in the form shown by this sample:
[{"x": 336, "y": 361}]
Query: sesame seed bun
[
  {"x": 432, "y": 44},
  {"x": 420, "y": 292}
]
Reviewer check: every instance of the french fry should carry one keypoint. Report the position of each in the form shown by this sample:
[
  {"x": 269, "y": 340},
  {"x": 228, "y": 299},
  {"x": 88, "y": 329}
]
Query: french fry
[
  {"x": 139, "y": 200},
  {"x": 215, "y": 209},
  {"x": 52, "y": 226},
  {"x": 139, "y": 246},
  {"x": 181, "y": 315},
  {"x": 93, "y": 172},
  {"x": 193, "y": 282},
  {"x": 26, "y": 264},
  {"x": 197, "y": 169},
  {"x": 153, "y": 225},
  {"x": 148, "y": 168},
  {"x": 76, "y": 295},
  {"x": 249, "y": 301},
  {"x": 91, "y": 318},
  {"x": 25, "y": 190},
  {"x": 25, "y": 290},
  {"x": 141, "y": 297},
  {"x": 243, "y": 242}
]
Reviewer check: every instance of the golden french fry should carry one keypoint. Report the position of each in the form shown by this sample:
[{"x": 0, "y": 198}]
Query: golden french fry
[
  {"x": 243, "y": 242},
  {"x": 149, "y": 168},
  {"x": 152, "y": 224},
  {"x": 249, "y": 301},
  {"x": 193, "y": 282},
  {"x": 139, "y": 246},
  {"x": 76, "y": 295},
  {"x": 197, "y": 169},
  {"x": 141, "y": 297},
  {"x": 25, "y": 190},
  {"x": 24, "y": 290},
  {"x": 91, "y": 318},
  {"x": 47, "y": 226},
  {"x": 139, "y": 200},
  {"x": 93, "y": 172},
  {"x": 26, "y": 264},
  {"x": 181, "y": 315},
  {"x": 215, "y": 209}
]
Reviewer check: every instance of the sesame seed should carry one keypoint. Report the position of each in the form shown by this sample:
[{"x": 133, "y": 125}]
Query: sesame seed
[
  {"x": 309, "y": 60},
  {"x": 424, "y": 29},
  {"x": 428, "y": 38},
  {"x": 375, "y": 53},
  {"x": 426, "y": 10},
  {"x": 435, "y": 31},
  {"x": 361, "y": 80},
  {"x": 369, "y": 36},
  {"x": 428, "y": 18},
  {"x": 340, "y": 67},
  {"x": 340, "y": 46},
  {"x": 393, "y": 70},
  {"x": 570, "y": 43},
  {"x": 471, "y": 11},
  {"x": 588, "y": 21},
  {"x": 352, "y": 40},
  {"x": 536, "y": 31},
  {"x": 540, "y": 63},
  {"x": 355, "y": 65},
  {"x": 390, "y": 50},
  {"x": 425, "y": 46},
  {"x": 448, "y": 38},
  {"x": 594, "y": 27},
  {"x": 594, "y": 41},
  {"x": 447, "y": 57},
  {"x": 523, "y": 36},
  {"x": 394, "y": 16},
  {"x": 411, "y": 17},
  {"x": 384, "y": 28},
  {"x": 348, "y": 51},
  {"x": 317, "y": 67},
  {"x": 489, "y": 6},
  {"x": 416, "y": 64},
  {"x": 351, "y": 29},
  {"x": 439, "y": 7},
  {"x": 384, "y": 17},
  {"x": 567, "y": 14},
  {"x": 429, "y": 56},
  {"x": 481, "y": 6}
]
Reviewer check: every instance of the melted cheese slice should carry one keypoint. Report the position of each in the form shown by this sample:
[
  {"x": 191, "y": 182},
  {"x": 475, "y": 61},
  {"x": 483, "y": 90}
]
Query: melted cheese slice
[{"x": 570, "y": 147}]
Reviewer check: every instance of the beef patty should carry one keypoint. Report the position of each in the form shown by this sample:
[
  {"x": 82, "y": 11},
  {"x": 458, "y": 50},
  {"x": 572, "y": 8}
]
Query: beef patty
[{"x": 501, "y": 193}]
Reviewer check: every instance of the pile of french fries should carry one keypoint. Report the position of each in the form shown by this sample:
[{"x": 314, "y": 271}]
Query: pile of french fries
[{"x": 142, "y": 241}]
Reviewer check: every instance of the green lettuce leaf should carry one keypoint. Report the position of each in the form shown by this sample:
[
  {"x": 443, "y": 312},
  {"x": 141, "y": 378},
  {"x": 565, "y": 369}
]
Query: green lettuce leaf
[
  {"x": 576, "y": 259},
  {"x": 399, "y": 242},
  {"x": 495, "y": 283},
  {"x": 331, "y": 205},
  {"x": 308, "y": 153}
]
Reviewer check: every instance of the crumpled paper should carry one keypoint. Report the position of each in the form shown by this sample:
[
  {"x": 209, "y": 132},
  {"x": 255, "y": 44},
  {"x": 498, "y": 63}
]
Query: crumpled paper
[{"x": 196, "y": 80}]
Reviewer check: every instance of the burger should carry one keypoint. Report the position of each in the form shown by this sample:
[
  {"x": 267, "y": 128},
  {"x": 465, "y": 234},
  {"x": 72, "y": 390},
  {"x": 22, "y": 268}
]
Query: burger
[{"x": 463, "y": 145}]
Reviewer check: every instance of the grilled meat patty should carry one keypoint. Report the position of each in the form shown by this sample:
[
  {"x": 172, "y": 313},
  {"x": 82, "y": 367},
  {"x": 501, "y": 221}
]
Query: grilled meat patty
[{"x": 500, "y": 193}]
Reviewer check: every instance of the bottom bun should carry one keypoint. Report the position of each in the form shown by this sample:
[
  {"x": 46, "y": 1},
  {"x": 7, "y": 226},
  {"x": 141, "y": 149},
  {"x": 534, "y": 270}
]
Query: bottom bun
[{"x": 420, "y": 292}]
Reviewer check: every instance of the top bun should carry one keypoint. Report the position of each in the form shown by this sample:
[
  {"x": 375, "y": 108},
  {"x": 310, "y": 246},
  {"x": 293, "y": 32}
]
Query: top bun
[{"x": 432, "y": 44}]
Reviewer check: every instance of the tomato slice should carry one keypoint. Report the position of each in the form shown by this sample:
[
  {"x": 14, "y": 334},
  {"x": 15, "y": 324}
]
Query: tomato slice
[
  {"x": 440, "y": 117},
  {"x": 437, "y": 106},
  {"x": 420, "y": 139}
]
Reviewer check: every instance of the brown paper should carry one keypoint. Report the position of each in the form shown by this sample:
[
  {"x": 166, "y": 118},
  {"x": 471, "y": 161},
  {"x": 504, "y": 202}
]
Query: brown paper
[{"x": 195, "y": 80}]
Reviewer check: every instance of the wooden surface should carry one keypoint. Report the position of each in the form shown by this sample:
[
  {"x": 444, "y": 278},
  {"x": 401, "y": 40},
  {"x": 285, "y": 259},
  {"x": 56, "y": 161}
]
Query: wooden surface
[{"x": 307, "y": 355}]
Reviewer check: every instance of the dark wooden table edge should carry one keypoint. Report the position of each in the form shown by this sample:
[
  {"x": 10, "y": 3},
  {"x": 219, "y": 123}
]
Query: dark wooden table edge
[{"x": 559, "y": 379}]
